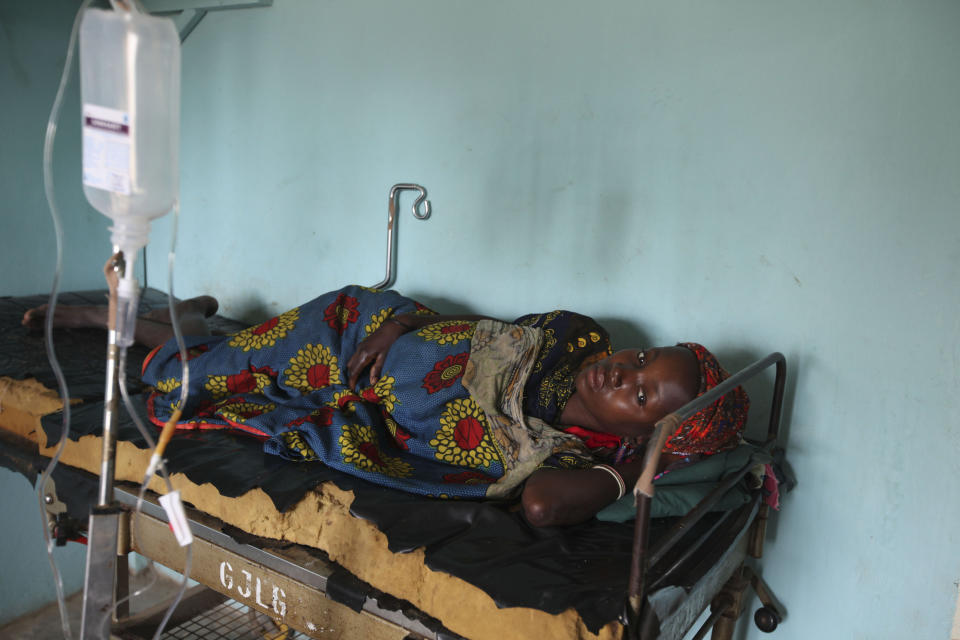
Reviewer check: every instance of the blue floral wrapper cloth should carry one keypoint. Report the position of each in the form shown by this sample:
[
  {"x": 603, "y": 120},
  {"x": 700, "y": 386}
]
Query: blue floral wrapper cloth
[{"x": 417, "y": 429}]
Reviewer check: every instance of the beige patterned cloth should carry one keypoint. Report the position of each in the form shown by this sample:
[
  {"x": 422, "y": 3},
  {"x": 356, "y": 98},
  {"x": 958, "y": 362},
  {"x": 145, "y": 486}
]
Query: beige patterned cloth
[{"x": 501, "y": 358}]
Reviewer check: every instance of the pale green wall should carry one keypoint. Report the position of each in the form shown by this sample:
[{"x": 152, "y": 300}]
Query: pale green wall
[
  {"x": 33, "y": 48},
  {"x": 33, "y": 45},
  {"x": 752, "y": 175}
]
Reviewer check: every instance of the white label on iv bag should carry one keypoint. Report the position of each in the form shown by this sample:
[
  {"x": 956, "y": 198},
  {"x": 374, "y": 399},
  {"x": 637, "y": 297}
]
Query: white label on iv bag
[{"x": 106, "y": 149}]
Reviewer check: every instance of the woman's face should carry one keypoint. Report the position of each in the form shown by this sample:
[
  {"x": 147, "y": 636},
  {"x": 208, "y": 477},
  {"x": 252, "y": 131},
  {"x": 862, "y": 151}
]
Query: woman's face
[{"x": 627, "y": 393}]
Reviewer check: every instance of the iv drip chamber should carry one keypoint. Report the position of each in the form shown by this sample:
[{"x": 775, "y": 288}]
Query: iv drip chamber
[{"x": 130, "y": 94}]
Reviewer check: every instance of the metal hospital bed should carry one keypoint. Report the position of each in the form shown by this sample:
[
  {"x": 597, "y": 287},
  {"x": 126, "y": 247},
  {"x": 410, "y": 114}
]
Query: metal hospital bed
[
  {"x": 333, "y": 557},
  {"x": 344, "y": 574}
]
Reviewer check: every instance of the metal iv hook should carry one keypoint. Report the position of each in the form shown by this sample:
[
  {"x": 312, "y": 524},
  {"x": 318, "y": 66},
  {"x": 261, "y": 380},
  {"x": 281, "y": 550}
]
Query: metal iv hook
[
  {"x": 393, "y": 204},
  {"x": 421, "y": 199}
]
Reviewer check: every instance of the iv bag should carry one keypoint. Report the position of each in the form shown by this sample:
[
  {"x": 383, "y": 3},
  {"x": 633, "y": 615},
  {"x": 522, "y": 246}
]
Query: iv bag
[{"x": 130, "y": 94}]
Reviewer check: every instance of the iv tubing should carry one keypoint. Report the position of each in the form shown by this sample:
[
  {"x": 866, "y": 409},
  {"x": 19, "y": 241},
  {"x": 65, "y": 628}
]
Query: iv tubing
[
  {"x": 51, "y": 309},
  {"x": 138, "y": 510},
  {"x": 156, "y": 460}
]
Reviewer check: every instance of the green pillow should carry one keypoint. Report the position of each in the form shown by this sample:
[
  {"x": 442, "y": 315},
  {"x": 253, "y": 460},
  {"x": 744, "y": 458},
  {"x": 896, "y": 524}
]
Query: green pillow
[{"x": 680, "y": 490}]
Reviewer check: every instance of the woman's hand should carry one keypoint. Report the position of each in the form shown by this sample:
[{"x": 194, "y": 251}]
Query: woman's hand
[{"x": 372, "y": 351}]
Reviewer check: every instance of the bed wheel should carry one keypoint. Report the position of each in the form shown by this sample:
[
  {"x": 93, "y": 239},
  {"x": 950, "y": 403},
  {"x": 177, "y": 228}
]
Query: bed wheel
[{"x": 766, "y": 619}]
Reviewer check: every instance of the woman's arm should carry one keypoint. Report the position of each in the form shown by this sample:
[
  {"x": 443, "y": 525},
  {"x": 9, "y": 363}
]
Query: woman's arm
[
  {"x": 567, "y": 496},
  {"x": 373, "y": 350}
]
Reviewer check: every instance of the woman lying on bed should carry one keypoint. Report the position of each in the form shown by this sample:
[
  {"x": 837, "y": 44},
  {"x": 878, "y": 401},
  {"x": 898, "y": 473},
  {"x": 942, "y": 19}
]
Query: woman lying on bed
[{"x": 378, "y": 386}]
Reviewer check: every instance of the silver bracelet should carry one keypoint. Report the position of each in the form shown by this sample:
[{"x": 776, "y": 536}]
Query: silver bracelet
[{"x": 621, "y": 485}]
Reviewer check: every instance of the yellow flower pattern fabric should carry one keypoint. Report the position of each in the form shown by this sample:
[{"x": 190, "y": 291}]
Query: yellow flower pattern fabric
[
  {"x": 222, "y": 386},
  {"x": 360, "y": 448},
  {"x": 241, "y": 411},
  {"x": 267, "y": 333},
  {"x": 377, "y": 319},
  {"x": 464, "y": 437},
  {"x": 448, "y": 332},
  {"x": 296, "y": 443},
  {"x": 345, "y": 401},
  {"x": 168, "y": 385},
  {"x": 314, "y": 367},
  {"x": 382, "y": 393}
]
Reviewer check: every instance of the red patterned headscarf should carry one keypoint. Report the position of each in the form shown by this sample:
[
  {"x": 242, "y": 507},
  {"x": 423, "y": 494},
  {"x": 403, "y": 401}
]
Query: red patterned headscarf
[{"x": 716, "y": 427}]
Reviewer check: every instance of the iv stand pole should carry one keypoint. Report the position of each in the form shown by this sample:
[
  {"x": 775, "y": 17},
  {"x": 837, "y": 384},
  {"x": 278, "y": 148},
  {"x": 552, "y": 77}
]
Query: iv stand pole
[{"x": 104, "y": 525}]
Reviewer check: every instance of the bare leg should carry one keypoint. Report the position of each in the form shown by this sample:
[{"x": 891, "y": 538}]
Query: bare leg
[
  {"x": 153, "y": 328},
  {"x": 150, "y": 330}
]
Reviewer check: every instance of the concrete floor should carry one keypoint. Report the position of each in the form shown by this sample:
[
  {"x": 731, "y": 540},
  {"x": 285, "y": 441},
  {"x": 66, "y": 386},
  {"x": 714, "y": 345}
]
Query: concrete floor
[{"x": 45, "y": 624}]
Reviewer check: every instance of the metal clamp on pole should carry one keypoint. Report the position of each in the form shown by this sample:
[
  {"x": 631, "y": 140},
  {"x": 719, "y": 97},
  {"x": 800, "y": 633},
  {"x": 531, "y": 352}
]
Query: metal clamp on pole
[{"x": 393, "y": 203}]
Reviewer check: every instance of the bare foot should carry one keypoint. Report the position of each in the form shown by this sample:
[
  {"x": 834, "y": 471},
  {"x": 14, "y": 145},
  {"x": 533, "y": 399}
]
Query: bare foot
[
  {"x": 66, "y": 317},
  {"x": 155, "y": 327},
  {"x": 73, "y": 317}
]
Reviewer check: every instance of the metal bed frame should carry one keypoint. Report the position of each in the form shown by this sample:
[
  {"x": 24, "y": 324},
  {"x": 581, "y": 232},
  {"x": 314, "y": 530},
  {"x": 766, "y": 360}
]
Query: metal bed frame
[
  {"x": 295, "y": 585},
  {"x": 300, "y": 588}
]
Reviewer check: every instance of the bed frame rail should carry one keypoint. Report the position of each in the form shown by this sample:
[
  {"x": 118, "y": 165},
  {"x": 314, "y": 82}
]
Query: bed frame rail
[{"x": 644, "y": 557}]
